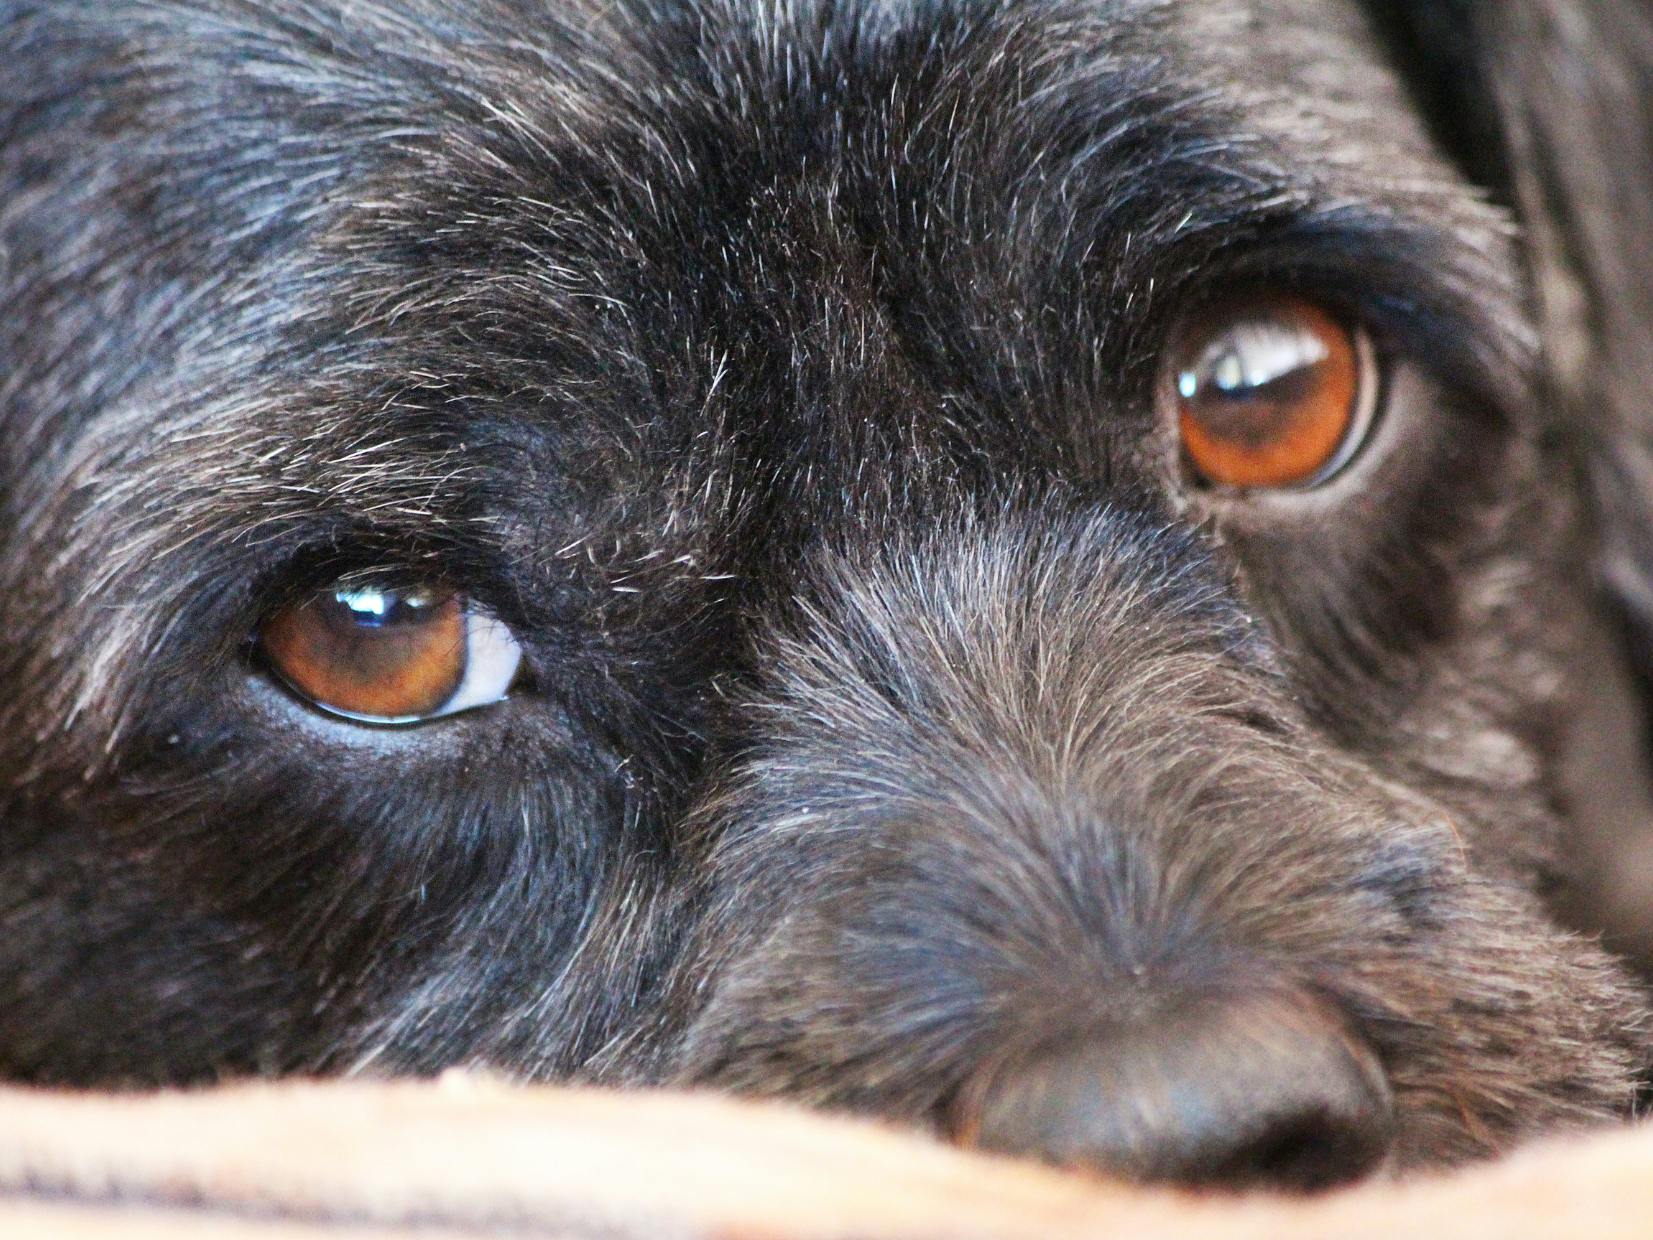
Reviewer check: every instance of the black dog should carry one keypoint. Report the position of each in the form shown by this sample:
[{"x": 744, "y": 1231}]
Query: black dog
[{"x": 1015, "y": 566}]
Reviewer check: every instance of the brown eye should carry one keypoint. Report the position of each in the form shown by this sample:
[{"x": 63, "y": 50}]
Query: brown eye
[
  {"x": 388, "y": 656},
  {"x": 1272, "y": 393}
]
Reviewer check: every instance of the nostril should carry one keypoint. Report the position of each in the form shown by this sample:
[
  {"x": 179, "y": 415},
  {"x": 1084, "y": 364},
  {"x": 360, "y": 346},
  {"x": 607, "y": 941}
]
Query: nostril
[
  {"x": 1300, "y": 1153},
  {"x": 1292, "y": 1155},
  {"x": 1259, "y": 1090}
]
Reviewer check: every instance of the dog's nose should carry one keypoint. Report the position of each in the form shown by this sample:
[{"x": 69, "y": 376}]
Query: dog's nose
[{"x": 1265, "y": 1090}]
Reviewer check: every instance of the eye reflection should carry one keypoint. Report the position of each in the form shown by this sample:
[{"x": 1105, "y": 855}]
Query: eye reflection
[{"x": 385, "y": 656}]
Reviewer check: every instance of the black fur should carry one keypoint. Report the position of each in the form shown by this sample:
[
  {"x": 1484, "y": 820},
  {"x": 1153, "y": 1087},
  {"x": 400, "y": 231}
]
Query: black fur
[{"x": 783, "y": 372}]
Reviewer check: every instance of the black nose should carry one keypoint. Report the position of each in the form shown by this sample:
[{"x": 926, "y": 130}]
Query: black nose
[{"x": 1262, "y": 1090}]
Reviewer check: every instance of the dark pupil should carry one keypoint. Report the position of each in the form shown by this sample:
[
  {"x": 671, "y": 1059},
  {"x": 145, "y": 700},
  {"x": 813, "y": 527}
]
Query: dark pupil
[{"x": 369, "y": 608}]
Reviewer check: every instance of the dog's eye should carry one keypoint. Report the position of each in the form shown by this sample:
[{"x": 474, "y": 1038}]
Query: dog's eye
[
  {"x": 1272, "y": 393},
  {"x": 390, "y": 656}
]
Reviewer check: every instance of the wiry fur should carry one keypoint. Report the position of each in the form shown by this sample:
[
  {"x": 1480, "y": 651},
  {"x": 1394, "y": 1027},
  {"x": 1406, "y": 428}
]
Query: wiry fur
[
  {"x": 784, "y": 374},
  {"x": 990, "y": 834}
]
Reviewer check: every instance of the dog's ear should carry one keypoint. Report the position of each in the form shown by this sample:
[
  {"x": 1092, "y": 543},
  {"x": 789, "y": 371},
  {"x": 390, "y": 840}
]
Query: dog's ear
[{"x": 1549, "y": 103}]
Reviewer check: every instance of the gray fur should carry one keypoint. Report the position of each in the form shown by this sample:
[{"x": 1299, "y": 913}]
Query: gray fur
[{"x": 784, "y": 375}]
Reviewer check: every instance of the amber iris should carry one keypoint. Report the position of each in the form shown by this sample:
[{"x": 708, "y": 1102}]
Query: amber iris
[
  {"x": 369, "y": 653},
  {"x": 1269, "y": 393}
]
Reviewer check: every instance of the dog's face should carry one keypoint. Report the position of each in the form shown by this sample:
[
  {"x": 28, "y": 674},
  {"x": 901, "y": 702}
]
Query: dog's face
[{"x": 1002, "y": 565}]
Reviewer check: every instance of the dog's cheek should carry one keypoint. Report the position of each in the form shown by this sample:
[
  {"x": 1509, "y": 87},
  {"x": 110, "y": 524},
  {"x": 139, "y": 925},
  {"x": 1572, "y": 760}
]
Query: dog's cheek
[
  {"x": 416, "y": 892},
  {"x": 1513, "y": 1030},
  {"x": 1367, "y": 588},
  {"x": 96, "y": 942}
]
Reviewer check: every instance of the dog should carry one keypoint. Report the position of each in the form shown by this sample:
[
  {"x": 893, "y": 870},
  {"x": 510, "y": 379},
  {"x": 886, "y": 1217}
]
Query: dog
[{"x": 1033, "y": 568}]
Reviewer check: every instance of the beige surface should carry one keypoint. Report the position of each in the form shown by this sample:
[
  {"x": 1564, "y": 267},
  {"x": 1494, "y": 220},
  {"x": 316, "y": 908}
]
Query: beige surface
[{"x": 474, "y": 1158}]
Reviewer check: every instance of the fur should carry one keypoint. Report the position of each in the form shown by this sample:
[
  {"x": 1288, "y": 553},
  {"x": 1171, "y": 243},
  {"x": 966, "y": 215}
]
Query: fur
[{"x": 783, "y": 374}]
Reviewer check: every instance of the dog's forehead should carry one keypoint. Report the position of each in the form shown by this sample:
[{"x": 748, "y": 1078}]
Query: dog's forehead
[
  {"x": 1314, "y": 74},
  {"x": 1032, "y": 135},
  {"x": 743, "y": 250},
  {"x": 757, "y": 144},
  {"x": 604, "y": 275},
  {"x": 752, "y": 188}
]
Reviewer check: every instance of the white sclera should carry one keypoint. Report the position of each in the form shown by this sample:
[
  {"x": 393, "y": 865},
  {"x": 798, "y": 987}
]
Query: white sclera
[{"x": 492, "y": 659}]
